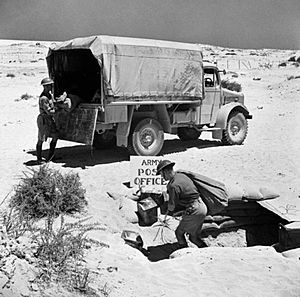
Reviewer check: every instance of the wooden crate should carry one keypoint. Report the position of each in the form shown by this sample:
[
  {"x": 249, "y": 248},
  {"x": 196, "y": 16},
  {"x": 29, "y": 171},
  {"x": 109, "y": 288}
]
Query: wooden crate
[
  {"x": 147, "y": 211},
  {"x": 289, "y": 235}
]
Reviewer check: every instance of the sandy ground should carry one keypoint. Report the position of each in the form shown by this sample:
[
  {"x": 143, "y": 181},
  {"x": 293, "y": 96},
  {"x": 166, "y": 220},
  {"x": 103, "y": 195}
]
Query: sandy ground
[{"x": 270, "y": 157}]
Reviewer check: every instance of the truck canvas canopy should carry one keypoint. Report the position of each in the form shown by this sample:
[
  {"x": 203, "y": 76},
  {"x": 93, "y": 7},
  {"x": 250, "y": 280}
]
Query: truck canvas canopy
[{"x": 127, "y": 69}]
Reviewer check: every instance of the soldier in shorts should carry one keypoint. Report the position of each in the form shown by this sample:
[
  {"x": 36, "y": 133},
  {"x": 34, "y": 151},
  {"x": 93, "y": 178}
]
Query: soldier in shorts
[{"x": 45, "y": 121}]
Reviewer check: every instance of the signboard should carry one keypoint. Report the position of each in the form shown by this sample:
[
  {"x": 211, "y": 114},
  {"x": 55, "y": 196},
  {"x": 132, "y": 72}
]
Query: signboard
[{"x": 143, "y": 173}]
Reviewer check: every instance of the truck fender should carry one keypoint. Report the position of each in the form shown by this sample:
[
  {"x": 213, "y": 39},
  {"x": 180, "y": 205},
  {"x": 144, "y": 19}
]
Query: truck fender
[
  {"x": 123, "y": 129},
  {"x": 223, "y": 114}
]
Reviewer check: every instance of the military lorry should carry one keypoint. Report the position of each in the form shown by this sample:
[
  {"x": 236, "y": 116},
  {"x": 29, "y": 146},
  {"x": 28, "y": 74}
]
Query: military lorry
[{"x": 128, "y": 92}]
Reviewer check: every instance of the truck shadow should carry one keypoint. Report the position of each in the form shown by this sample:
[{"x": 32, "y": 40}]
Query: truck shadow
[
  {"x": 83, "y": 156},
  {"x": 176, "y": 145}
]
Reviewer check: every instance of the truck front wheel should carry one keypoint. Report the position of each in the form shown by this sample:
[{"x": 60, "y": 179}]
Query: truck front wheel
[
  {"x": 147, "y": 138},
  {"x": 185, "y": 133},
  {"x": 236, "y": 129}
]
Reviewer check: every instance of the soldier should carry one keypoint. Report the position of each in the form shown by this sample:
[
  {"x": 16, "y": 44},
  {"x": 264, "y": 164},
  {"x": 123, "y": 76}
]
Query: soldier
[
  {"x": 183, "y": 197},
  {"x": 45, "y": 121}
]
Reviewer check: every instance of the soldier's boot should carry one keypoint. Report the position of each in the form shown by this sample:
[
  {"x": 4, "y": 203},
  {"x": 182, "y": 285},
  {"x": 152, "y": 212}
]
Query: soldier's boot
[
  {"x": 51, "y": 151},
  {"x": 39, "y": 154}
]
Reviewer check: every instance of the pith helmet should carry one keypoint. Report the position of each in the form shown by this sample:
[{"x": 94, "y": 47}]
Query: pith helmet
[
  {"x": 47, "y": 81},
  {"x": 162, "y": 165}
]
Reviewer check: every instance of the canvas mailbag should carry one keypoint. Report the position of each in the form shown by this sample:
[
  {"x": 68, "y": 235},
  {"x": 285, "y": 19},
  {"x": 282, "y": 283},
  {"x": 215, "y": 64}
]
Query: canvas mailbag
[{"x": 212, "y": 192}]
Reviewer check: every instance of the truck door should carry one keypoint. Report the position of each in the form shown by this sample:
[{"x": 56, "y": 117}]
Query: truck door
[
  {"x": 77, "y": 125},
  {"x": 212, "y": 100}
]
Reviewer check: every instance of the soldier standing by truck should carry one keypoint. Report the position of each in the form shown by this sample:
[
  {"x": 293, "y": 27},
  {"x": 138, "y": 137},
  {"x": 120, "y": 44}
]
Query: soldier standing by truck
[{"x": 45, "y": 121}]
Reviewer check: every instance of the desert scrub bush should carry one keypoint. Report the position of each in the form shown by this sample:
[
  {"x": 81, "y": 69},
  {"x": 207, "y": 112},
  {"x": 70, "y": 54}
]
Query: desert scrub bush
[
  {"x": 266, "y": 65},
  {"x": 45, "y": 191},
  {"x": 12, "y": 224},
  {"x": 231, "y": 85},
  {"x": 60, "y": 250},
  {"x": 293, "y": 77},
  {"x": 41, "y": 203},
  {"x": 24, "y": 97},
  {"x": 11, "y": 75},
  {"x": 59, "y": 247}
]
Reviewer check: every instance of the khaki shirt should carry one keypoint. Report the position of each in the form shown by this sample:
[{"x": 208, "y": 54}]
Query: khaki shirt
[
  {"x": 182, "y": 192},
  {"x": 46, "y": 104}
]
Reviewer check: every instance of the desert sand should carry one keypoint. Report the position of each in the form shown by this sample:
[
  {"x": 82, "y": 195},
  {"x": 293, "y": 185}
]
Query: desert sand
[{"x": 269, "y": 156}]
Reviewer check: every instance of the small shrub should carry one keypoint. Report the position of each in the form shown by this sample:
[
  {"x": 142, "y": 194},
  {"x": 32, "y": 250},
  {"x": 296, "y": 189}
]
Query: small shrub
[
  {"x": 282, "y": 64},
  {"x": 231, "y": 85},
  {"x": 292, "y": 59},
  {"x": 26, "y": 97},
  {"x": 58, "y": 246},
  {"x": 13, "y": 225},
  {"x": 55, "y": 246},
  {"x": 29, "y": 74},
  {"x": 44, "y": 190},
  {"x": 266, "y": 65},
  {"x": 60, "y": 252},
  {"x": 105, "y": 290}
]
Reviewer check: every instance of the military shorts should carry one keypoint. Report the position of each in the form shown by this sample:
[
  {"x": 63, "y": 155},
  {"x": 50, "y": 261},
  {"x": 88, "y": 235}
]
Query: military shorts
[{"x": 46, "y": 127}]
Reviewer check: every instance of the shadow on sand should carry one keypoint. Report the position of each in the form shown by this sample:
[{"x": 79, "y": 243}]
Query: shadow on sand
[
  {"x": 176, "y": 145},
  {"x": 82, "y": 156},
  {"x": 161, "y": 252}
]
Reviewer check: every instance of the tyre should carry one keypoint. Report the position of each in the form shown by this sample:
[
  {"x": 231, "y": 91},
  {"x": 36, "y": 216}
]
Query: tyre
[
  {"x": 185, "y": 133},
  {"x": 107, "y": 139},
  {"x": 236, "y": 129},
  {"x": 147, "y": 138}
]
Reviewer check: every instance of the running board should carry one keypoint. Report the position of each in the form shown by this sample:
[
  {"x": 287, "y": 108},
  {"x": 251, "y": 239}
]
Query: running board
[{"x": 207, "y": 129}]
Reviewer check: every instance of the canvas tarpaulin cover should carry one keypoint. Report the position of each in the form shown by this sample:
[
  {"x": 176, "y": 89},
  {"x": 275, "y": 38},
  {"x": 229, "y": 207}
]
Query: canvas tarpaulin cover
[{"x": 133, "y": 67}]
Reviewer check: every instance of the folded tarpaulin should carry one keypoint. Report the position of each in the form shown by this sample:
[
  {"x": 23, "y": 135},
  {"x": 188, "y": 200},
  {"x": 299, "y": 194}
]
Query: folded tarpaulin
[{"x": 134, "y": 67}]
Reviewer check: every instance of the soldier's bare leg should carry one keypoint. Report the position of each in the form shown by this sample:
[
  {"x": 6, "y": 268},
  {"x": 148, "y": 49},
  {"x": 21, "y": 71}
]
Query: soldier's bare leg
[
  {"x": 52, "y": 149},
  {"x": 39, "y": 147}
]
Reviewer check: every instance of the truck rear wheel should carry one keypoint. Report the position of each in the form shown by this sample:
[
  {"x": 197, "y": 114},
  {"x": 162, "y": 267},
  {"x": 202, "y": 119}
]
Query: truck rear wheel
[
  {"x": 186, "y": 133},
  {"x": 236, "y": 129},
  {"x": 147, "y": 138},
  {"x": 104, "y": 140}
]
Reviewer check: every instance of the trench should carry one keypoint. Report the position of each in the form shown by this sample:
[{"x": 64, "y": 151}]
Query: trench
[{"x": 258, "y": 226}]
